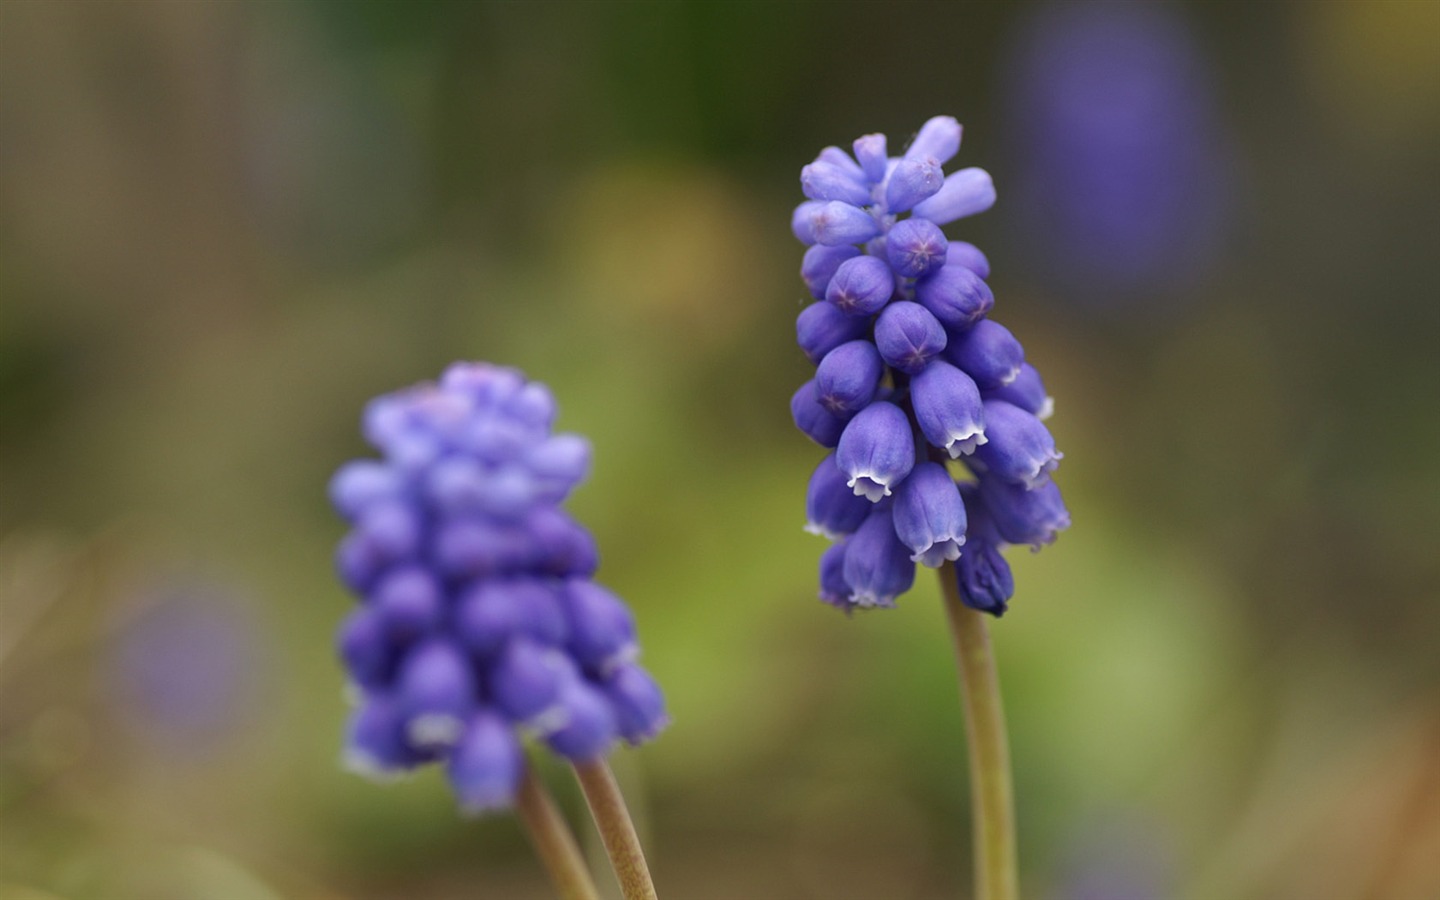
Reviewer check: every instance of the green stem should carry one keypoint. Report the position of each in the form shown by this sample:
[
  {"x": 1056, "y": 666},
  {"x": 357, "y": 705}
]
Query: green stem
[
  {"x": 617, "y": 832},
  {"x": 992, "y": 796},
  {"x": 553, "y": 842}
]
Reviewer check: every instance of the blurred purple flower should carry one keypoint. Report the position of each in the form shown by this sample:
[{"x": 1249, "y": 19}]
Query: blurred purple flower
[
  {"x": 1121, "y": 161},
  {"x": 187, "y": 672},
  {"x": 479, "y": 621}
]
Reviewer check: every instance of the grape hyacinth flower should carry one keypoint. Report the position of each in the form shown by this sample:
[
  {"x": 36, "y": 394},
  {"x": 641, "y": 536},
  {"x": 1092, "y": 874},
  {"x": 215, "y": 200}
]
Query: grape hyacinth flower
[
  {"x": 941, "y": 457},
  {"x": 913, "y": 377},
  {"x": 480, "y": 622}
]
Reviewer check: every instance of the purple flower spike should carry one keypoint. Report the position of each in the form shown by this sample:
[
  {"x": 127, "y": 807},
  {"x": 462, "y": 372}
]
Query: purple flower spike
[
  {"x": 819, "y": 424},
  {"x": 908, "y": 336},
  {"x": 840, "y": 223},
  {"x": 912, "y": 181},
  {"x": 861, "y": 286},
  {"x": 877, "y": 450},
  {"x": 948, "y": 409},
  {"x": 820, "y": 265},
  {"x": 821, "y": 327},
  {"x": 877, "y": 565},
  {"x": 939, "y": 138},
  {"x": 930, "y": 516},
  {"x": 904, "y": 345},
  {"x": 965, "y": 193},
  {"x": 848, "y": 377},
  {"x": 591, "y": 724},
  {"x": 959, "y": 253},
  {"x": 638, "y": 703},
  {"x": 1020, "y": 449},
  {"x": 486, "y": 766},
  {"x": 987, "y": 353},
  {"x": 831, "y": 508},
  {"x": 915, "y": 247},
  {"x": 479, "y": 617},
  {"x": 1033, "y": 517},
  {"x": 955, "y": 295},
  {"x": 870, "y": 151},
  {"x": 1027, "y": 391}
]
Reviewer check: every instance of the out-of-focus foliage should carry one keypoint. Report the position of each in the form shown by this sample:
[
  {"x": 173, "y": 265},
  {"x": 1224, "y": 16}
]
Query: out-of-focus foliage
[{"x": 224, "y": 226}]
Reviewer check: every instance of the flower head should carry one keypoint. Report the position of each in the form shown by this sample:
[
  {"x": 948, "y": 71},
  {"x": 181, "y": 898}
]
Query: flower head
[
  {"x": 480, "y": 621},
  {"x": 913, "y": 377}
]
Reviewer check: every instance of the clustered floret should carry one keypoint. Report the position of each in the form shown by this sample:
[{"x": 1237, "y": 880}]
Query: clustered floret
[
  {"x": 911, "y": 378},
  {"x": 480, "y": 621}
]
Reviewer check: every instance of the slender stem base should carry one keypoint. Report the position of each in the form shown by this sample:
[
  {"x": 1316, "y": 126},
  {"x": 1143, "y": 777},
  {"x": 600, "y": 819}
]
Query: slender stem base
[
  {"x": 553, "y": 842},
  {"x": 992, "y": 800},
  {"x": 617, "y": 832}
]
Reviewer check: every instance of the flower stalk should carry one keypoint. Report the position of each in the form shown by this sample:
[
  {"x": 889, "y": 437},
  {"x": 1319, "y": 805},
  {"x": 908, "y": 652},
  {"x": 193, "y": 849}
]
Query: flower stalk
[
  {"x": 617, "y": 831},
  {"x": 992, "y": 794},
  {"x": 553, "y": 841}
]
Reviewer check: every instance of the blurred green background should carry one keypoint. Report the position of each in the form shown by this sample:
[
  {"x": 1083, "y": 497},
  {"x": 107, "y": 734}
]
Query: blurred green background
[{"x": 225, "y": 226}]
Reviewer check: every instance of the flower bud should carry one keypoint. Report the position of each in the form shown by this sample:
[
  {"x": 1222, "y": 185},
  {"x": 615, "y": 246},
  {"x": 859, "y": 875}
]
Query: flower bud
[
  {"x": 929, "y": 515},
  {"x": 861, "y": 286},
  {"x": 911, "y": 181},
  {"x": 638, "y": 703},
  {"x": 938, "y": 138},
  {"x": 435, "y": 689},
  {"x": 487, "y": 764},
  {"x": 834, "y": 589},
  {"x": 908, "y": 336},
  {"x": 870, "y": 151},
  {"x": 820, "y": 264},
  {"x": 1027, "y": 391},
  {"x": 821, "y": 327},
  {"x": 362, "y": 483},
  {"x": 948, "y": 409},
  {"x": 965, "y": 193},
  {"x": 409, "y": 601},
  {"x": 876, "y": 450},
  {"x": 831, "y": 508},
  {"x": 1033, "y": 517},
  {"x": 987, "y": 353},
  {"x": 877, "y": 565},
  {"x": 955, "y": 295},
  {"x": 826, "y": 181},
  {"x": 960, "y": 253},
  {"x": 848, "y": 376},
  {"x": 914, "y": 247},
  {"x": 375, "y": 743},
  {"x": 367, "y": 649},
  {"x": 1020, "y": 448},
  {"x": 590, "y": 727},
  {"x": 602, "y": 631},
  {"x": 840, "y": 223},
  {"x": 526, "y": 681},
  {"x": 819, "y": 424}
]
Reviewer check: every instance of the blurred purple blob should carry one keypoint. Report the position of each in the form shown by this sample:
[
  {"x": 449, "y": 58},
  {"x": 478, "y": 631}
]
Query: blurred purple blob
[
  {"x": 1122, "y": 168},
  {"x": 185, "y": 674},
  {"x": 1119, "y": 857}
]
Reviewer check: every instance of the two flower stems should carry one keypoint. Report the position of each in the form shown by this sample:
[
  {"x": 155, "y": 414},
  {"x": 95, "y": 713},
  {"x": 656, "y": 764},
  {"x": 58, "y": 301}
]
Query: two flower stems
[
  {"x": 555, "y": 844},
  {"x": 992, "y": 795}
]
